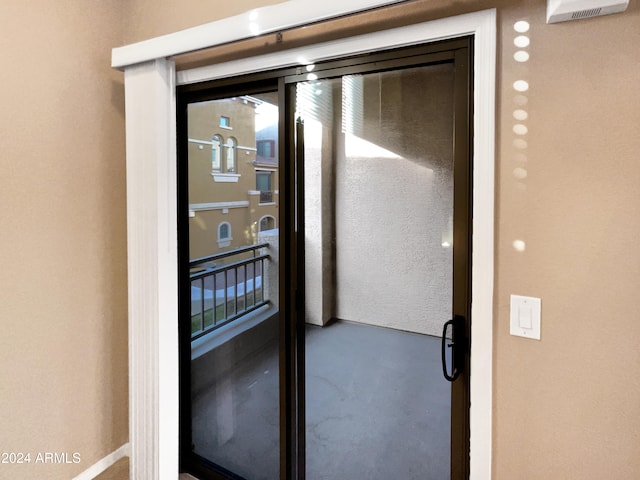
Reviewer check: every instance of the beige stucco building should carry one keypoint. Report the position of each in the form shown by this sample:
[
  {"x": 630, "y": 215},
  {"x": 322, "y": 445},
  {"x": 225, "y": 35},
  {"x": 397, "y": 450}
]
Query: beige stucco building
[{"x": 233, "y": 174}]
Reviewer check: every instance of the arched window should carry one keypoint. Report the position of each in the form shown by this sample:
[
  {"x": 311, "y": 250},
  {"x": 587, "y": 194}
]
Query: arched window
[
  {"x": 224, "y": 231},
  {"x": 267, "y": 223},
  {"x": 224, "y": 234},
  {"x": 216, "y": 153},
  {"x": 231, "y": 154}
]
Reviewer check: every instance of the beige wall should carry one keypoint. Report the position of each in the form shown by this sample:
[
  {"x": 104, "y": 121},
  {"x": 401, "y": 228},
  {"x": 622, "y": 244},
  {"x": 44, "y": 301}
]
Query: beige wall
[
  {"x": 63, "y": 307},
  {"x": 565, "y": 407},
  {"x": 569, "y": 405},
  {"x": 149, "y": 18}
]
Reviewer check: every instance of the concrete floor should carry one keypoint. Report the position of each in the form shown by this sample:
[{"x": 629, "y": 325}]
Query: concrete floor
[{"x": 378, "y": 408}]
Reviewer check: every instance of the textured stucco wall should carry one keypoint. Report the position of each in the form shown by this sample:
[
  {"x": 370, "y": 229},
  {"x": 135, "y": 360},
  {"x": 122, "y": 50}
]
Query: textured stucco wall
[
  {"x": 320, "y": 133},
  {"x": 393, "y": 210}
]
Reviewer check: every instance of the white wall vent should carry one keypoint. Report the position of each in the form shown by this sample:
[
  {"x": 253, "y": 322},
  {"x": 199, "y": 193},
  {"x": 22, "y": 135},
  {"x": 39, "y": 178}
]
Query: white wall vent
[
  {"x": 564, "y": 10},
  {"x": 594, "y": 12}
]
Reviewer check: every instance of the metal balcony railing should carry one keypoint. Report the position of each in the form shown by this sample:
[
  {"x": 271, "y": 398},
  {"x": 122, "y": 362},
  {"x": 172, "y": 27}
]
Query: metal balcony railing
[
  {"x": 266, "y": 196},
  {"x": 225, "y": 287}
]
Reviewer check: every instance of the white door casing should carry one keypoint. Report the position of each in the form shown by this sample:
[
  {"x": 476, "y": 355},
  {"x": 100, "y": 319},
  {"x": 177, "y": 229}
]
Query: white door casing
[{"x": 150, "y": 91}]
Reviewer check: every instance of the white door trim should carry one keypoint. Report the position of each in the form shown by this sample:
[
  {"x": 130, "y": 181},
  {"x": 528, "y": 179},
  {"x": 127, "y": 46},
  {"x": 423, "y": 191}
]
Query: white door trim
[
  {"x": 259, "y": 21},
  {"x": 152, "y": 269},
  {"x": 152, "y": 232}
]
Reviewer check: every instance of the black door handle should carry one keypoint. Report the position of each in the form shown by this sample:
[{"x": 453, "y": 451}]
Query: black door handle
[{"x": 458, "y": 345}]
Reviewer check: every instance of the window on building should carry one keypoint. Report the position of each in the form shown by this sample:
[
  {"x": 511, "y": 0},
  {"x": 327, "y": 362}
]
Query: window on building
[
  {"x": 263, "y": 185},
  {"x": 225, "y": 122},
  {"x": 267, "y": 223},
  {"x": 224, "y": 231},
  {"x": 266, "y": 148},
  {"x": 231, "y": 154},
  {"x": 224, "y": 234},
  {"x": 216, "y": 153}
]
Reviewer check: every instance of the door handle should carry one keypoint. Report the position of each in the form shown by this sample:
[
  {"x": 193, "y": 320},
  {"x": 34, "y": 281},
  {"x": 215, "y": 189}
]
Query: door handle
[{"x": 458, "y": 347}]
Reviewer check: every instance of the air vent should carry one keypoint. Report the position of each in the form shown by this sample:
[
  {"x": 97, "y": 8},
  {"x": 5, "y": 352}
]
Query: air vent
[
  {"x": 594, "y": 12},
  {"x": 564, "y": 10}
]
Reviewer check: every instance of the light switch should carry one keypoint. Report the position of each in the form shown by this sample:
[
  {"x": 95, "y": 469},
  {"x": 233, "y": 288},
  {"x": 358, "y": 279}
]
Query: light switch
[{"x": 525, "y": 317}]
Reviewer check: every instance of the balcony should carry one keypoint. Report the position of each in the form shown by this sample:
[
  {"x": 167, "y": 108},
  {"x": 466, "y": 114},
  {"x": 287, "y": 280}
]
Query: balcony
[
  {"x": 366, "y": 415},
  {"x": 362, "y": 398},
  {"x": 266, "y": 196},
  {"x": 226, "y": 287}
]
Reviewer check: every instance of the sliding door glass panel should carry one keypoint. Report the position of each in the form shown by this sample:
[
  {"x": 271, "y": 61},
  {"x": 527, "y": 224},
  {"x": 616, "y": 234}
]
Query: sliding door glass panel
[
  {"x": 378, "y": 166},
  {"x": 233, "y": 254}
]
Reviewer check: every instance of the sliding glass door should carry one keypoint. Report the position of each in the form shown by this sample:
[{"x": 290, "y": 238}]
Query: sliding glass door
[
  {"x": 325, "y": 253},
  {"x": 378, "y": 193},
  {"x": 230, "y": 266}
]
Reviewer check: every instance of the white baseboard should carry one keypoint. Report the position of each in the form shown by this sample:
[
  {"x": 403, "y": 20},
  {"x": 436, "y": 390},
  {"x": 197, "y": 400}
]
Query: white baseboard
[{"x": 101, "y": 465}]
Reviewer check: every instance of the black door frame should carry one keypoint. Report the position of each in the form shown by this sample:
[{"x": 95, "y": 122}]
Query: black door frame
[{"x": 291, "y": 223}]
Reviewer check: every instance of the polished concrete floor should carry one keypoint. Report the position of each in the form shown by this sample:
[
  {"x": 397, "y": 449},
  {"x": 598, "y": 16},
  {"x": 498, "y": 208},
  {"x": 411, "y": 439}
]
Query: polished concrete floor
[{"x": 378, "y": 408}]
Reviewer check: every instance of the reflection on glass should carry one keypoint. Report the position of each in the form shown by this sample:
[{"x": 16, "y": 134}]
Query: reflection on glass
[
  {"x": 378, "y": 231},
  {"x": 233, "y": 251}
]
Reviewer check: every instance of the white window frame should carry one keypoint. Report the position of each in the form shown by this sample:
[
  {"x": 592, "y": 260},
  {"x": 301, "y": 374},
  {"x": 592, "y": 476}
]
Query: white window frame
[
  {"x": 275, "y": 222},
  {"x": 150, "y": 83},
  {"x": 217, "y": 142},
  {"x": 231, "y": 155},
  {"x": 224, "y": 241}
]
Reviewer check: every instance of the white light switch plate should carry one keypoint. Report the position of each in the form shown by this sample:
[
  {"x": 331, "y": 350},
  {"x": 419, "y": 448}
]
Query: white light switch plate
[{"x": 525, "y": 317}]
